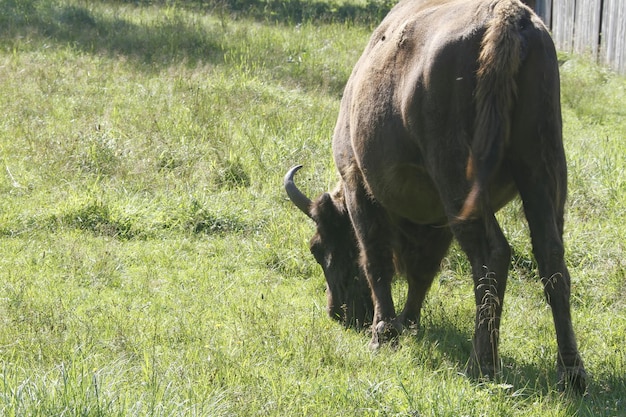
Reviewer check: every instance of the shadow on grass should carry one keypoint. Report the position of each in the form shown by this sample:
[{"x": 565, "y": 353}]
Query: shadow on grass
[
  {"x": 77, "y": 26},
  {"x": 530, "y": 379},
  {"x": 175, "y": 33},
  {"x": 369, "y": 12},
  {"x": 172, "y": 36}
]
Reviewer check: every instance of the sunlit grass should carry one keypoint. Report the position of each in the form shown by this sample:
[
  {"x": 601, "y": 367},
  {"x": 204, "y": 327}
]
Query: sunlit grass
[{"x": 151, "y": 265}]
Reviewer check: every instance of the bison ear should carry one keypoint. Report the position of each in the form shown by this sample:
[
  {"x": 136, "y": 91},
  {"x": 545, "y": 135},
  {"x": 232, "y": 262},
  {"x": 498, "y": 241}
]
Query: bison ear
[
  {"x": 321, "y": 208},
  {"x": 329, "y": 209}
]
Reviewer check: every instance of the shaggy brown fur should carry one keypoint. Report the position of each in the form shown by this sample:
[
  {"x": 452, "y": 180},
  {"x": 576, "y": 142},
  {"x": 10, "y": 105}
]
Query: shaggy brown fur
[{"x": 496, "y": 89}]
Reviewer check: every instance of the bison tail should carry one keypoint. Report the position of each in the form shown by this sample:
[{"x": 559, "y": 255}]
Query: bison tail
[{"x": 496, "y": 89}]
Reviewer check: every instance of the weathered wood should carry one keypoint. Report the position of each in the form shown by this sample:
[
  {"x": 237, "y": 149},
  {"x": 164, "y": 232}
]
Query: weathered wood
[
  {"x": 563, "y": 18},
  {"x": 544, "y": 10},
  {"x": 587, "y": 27},
  {"x": 613, "y": 40},
  {"x": 593, "y": 27}
]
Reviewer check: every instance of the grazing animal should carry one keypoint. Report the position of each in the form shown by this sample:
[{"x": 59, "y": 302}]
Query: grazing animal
[{"x": 452, "y": 110}]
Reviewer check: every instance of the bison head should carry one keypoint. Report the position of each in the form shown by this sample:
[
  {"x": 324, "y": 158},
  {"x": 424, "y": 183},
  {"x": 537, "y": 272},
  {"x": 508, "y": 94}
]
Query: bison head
[{"x": 335, "y": 248}]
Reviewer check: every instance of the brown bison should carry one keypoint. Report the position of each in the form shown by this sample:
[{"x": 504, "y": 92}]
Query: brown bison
[{"x": 452, "y": 110}]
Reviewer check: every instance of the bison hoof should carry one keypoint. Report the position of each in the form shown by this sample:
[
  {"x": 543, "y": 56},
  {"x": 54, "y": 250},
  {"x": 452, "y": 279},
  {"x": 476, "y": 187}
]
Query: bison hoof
[
  {"x": 410, "y": 324},
  {"x": 385, "y": 332},
  {"x": 481, "y": 372},
  {"x": 574, "y": 380}
]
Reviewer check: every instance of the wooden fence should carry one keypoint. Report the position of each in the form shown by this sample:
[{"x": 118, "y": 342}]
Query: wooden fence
[{"x": 592, "y": 27}]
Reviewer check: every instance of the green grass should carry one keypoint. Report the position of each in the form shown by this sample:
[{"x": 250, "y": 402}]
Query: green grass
[{"x": 151, "y": 265}]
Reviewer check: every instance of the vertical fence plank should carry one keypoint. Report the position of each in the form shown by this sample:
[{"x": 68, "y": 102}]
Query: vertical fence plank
[
  {"x": 544, "y": 10},
  {"x": 620, "y": 44},
  {"x": 563, "y": 18},
  {"x": 593, "y": 27},
  {"x": 609, "y": 23},
  {"x": 587, "y": 27},
  {"x": 613, "y": 40}
]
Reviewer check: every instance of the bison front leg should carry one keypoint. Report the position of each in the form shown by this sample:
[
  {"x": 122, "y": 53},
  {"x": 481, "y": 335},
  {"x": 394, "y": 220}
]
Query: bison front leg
[
  {"x": 490, "y": 255},
  {"x": 418, "y": 251},
  {"x": 373, "y": 232}
]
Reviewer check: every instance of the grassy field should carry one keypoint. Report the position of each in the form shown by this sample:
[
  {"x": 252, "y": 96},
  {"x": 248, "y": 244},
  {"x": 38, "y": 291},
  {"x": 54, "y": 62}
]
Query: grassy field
[{"x": 151, "y": 265}]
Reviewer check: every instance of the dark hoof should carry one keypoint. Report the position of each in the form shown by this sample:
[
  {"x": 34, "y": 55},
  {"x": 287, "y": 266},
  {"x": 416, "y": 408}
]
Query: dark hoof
[
  {"x": 574, "y": 380},
  {"x": 410, "y": 325},
  {"x": 480, "y": 372},
  {"x": 385, "y": 332}
]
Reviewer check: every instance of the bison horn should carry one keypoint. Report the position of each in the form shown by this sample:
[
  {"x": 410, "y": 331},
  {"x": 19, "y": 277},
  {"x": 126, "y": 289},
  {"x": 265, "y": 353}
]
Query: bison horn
[{"x": 295, "y": 195}]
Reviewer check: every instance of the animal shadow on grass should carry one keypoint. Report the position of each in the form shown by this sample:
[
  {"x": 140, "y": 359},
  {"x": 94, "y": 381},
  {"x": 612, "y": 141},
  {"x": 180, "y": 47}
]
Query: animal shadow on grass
[{"x": 440, "y": 341}]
